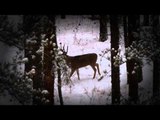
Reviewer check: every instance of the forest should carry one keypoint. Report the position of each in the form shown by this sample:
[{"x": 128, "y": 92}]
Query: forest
[{"x": 79, "y": 59}]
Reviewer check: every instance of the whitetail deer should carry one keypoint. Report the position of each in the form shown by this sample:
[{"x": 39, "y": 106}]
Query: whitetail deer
[{"x": 76, "y": 62}]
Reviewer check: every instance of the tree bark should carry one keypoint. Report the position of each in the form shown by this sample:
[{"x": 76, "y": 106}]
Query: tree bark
[
  {"x": 49, "y": 76},
  {"x": 132, "y": 80},
  {"x": 115, "y": 79},
  {"x": 103, "y": 28},
  {"x": 59, "y": 87},
  {"x": 156, "y": 62},
  {"x": 146, "y": 20},
  {"x": 156, "y": 81},
  {"x": 139, "y": 72},
  {"x": 30, "y": 49}
]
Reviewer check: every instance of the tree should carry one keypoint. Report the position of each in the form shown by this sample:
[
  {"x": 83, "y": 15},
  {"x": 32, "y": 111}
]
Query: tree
[
  {"x": 42, "y": 45},
  {"x": 148, "y": 47},
  {"x": 39, "y": 50},
  {"x": 125, "y": 29},
  {"x": 33, "y": 51},
  {"x": 49, "y": 76},
  {"x": 32, "y": 44},
  {"x": 156, "y": 60},
  {"x": 103, "y": 27},
  {"x": 60, "y": 86},
  {"x": 8, "y": 34},
  {"x": 13, "y": 81},
  {"x": 146, "y": 20},
  {"x": 139, "y": 72},
  {"x": 132, "y": 61},
  {"x": 115, "y": 59}
]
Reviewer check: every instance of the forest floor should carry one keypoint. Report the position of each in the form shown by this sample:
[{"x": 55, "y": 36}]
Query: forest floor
[{"x": 88, "y": 91}]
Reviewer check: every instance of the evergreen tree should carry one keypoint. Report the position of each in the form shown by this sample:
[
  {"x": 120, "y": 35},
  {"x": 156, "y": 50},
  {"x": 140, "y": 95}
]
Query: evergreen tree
[
  {"x": 8, "y": 34},
  {"x": 48, "y": 59},
  {"x": 131, "y": 59}
]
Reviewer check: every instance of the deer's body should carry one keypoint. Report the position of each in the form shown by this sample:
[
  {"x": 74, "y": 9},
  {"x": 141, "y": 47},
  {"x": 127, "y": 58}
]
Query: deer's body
[{"x": 76, "y": 62}]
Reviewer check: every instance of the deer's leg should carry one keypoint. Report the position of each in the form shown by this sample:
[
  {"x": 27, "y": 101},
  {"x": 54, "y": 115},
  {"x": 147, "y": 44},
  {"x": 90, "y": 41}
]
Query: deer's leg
[
  {"x": 93, "y": 67},
  {"x": 98, "y": 68},
  {"x": 72, "y": 71},
  {"x": 78, "y": 74}
]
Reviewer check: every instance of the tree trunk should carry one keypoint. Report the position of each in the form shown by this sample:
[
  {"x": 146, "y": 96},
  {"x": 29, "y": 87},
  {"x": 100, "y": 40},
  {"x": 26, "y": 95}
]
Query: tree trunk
[
  {"x": 103, "y": 28},
  {"x": 38, "y": 64},
  {"x": 48, "y": 65},
  {"x": 156, "y": 81},
  {"x": 115, "y": 69},
  {"x": 139, "y": 72},
  {"x": 47, "y": 69},
  {"x": 156, "y": 62},
  {"x": 132, "y": 80},
  {"x": 59, "y": 87},
  {"x": 125, "y": 26},
  {"x": 30, "y": 49},
  {"x": 146, "y": 20}
]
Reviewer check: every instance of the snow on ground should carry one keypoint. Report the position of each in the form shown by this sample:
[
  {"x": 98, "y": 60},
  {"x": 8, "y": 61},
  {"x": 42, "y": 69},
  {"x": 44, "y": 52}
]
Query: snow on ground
[
  {"x": 145, "y": 87},
  {"x": 88, "y": 91}
]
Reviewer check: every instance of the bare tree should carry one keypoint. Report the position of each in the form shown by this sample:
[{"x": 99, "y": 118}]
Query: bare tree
[
  {"x": 114, "y": 54},
  {"x": 103, "y": 27}
]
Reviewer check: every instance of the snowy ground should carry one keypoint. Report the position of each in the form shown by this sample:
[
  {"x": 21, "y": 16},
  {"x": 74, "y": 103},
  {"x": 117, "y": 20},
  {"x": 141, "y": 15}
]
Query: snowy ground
[{"x": 88, "y": 91}]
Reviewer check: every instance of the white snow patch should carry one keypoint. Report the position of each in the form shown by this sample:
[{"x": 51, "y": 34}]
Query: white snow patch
[{"x": 88, "y": 91}]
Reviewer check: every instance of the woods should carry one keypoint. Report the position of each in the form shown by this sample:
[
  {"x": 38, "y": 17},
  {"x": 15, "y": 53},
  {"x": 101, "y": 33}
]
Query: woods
[{"x": 123, "y": 44}]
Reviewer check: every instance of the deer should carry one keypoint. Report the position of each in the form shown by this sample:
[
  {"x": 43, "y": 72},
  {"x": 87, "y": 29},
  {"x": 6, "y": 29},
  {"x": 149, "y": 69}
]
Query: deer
[{"x": 79, "y": 61}]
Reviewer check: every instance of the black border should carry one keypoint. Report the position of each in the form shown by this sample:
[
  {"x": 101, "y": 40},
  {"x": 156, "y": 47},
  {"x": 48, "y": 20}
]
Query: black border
[
  {"x": 82, "y": 111},
  {"x": 79, "y": 8}
]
